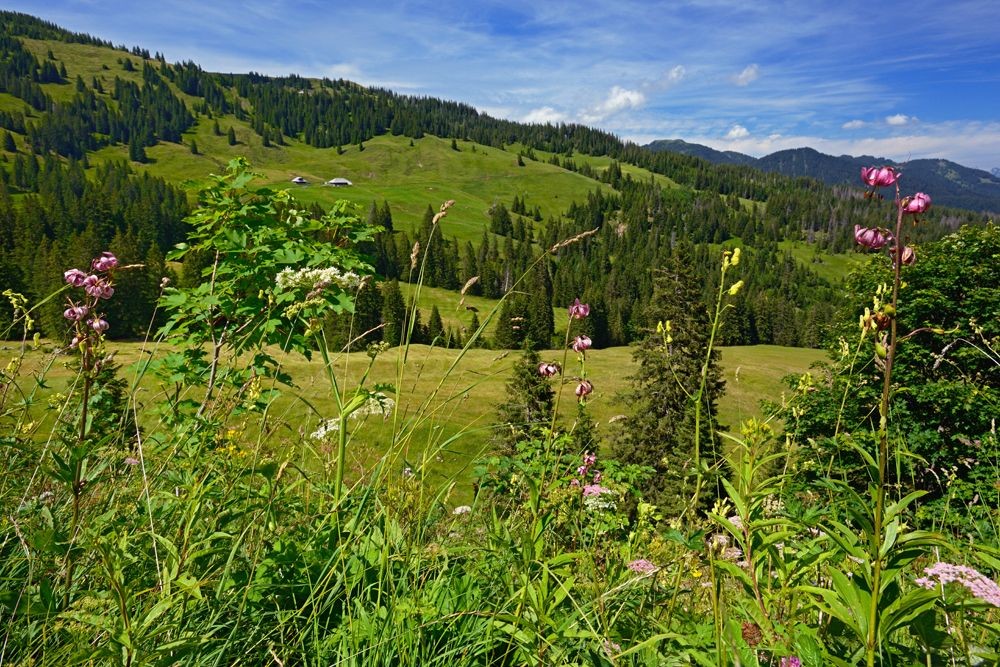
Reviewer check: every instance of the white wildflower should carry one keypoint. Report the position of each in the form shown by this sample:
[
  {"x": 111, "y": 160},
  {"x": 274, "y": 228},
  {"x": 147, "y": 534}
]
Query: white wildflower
[
  {"x": 289, "y": 279},
  {"x": 326, "y": 427}
]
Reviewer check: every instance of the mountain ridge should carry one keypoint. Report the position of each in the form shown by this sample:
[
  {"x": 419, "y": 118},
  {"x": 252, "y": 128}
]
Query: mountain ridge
[{"x": 953, "y": 184}]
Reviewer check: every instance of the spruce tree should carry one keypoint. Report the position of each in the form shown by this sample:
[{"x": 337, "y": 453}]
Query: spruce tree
[
  {"x": 659, "y": 430},
  {"x": 393, "y": 313},
  {"x": 231, "y": 135},
  {"x": 529, "y": 405},
  {"x": 541, "y": 323},
  {"x": 473, "y": 327},
  {"x": 8, "y": 143},
  {"x": 136, "y": 152},
  {"x": 435, "y": 328}
]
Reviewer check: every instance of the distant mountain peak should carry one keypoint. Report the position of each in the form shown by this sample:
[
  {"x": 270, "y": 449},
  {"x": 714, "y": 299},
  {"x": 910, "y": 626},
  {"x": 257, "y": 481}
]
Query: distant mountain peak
[{"x": 949, "y": 183}]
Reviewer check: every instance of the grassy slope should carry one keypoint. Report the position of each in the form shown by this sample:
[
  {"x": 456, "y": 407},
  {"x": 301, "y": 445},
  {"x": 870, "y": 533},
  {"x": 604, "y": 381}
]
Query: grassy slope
[
  {"x": 832, "y": 267},
  {"x": 464, "y": 399}
]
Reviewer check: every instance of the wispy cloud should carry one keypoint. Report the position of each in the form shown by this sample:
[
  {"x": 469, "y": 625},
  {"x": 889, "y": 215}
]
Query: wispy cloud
[
  {"x": 898, "y": 120},
  {"x": 737, "y": 132},
  {"x": 747, "y": 76},
  {"x": 853, "y": 125},
  {"x": 618, "y": 100},
  {"x": 671, "y": 77},
  {"x": 544, "y": 115}
]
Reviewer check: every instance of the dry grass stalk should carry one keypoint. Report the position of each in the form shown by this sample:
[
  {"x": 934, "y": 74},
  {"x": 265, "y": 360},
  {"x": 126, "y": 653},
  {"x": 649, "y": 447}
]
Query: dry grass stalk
[{"x": 574, "y": 239}]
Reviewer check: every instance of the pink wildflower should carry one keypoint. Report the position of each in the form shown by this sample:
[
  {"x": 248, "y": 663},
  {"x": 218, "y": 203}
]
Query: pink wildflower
[
  {"x": 105, "y": 262},
  {"x": 99, "y": 325},
  {"x": 75, "y": 277},
  {"x": 75, "y": 313},
  {"x": 643, "y": 566},
  {"x": 790, "y": 661},
  {"x": 578, "y": 310},
  {"x": 873, "y": 238},
  {"x": 584, "y": 388},
  {"x": 879, "y": 176},
  {"x": 548, "y": 370},
  {"x": 98, "y": 287},
  {"x": 918, "y": 203},
  {"x": 595, "y": 490},
  {"x": 582, "y": 343},
  {"x": 981, "y": 586}
]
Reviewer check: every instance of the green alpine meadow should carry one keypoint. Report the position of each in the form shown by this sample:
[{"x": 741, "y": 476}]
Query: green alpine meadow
[{"x": 300, "y": 371}]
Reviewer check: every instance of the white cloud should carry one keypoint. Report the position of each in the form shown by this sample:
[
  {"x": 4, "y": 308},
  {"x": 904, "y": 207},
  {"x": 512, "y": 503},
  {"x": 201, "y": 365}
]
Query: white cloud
[
  {"x": 544, "y": 115},
  {"x": 898, "y": 119},
  {"x": 737, "y": 132},
  {"x": 507, "y": 113},
  {"x": 619, "y": 99},
  {"x": 348, "y": 71},
  {"x": 747, "y": 76},
  {"x": 853, "y": 125},
  {"x": 673, "y": 76}
]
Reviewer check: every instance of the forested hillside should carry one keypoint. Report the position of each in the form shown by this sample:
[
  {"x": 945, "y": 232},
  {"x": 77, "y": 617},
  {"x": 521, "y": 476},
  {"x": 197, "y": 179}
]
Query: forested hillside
[{"x": 85, "y": 129}]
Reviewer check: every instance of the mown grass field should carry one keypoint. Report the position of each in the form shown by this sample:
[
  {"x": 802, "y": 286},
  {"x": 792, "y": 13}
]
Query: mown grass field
[{"x": 446, "y": 398}]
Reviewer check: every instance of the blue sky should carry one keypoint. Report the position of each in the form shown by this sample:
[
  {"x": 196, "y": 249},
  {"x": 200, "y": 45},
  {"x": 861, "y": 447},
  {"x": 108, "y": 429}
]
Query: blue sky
[{"x": 896, "y": 79}]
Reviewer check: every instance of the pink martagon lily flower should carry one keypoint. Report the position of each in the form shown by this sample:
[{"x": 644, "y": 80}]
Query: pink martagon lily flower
[
  {"x": 75, "y": 277},
  {"x": 578, "y": 310},
  {"x": 75, "y": 313},
  {"x": 870, "y": 237},
  {"x": 918, "y": 203},
  {"x": 105, "y": 262},
  {"x": 878, "y": 177}
]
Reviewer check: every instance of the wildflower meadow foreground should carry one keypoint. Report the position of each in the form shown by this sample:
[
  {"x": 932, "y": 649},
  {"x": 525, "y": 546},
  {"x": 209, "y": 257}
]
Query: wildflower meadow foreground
[{"x": 168, "y": 513}]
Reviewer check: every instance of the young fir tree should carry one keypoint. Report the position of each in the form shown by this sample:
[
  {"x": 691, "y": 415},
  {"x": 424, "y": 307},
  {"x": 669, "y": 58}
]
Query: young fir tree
[
  {"x": 659, "y": 430},
  {"x": 529, "y": 405},
  {"x": 541, "y": 323},
  {"x": 231, "y": 136},
  {"x": 136, "y": 152},
  {"x": 473, "y": 327},
  {"x": 435, "y": 328},
  {"x": 393, "y": 313}
]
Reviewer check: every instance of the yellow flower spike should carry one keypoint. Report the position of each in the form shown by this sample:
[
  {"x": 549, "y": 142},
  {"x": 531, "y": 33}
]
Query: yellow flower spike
[
  {"x": 737, "y": 286},
  {"x": 736, "y": 257}
]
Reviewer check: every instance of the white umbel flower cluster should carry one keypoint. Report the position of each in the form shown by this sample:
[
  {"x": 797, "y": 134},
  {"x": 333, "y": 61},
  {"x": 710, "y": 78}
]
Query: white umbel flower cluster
[
  {"x": 377, "y": 404},
  {"x": 288, "y": 278}
]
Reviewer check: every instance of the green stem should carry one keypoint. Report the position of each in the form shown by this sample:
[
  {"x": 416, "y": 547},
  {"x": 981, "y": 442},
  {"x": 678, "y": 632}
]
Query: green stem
[
  {"x": 702, "y": 384},
  {"x": 77, "y": 486},
  {"x": 883, "y": 448},
  {"x": 338, "y": 475}
]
